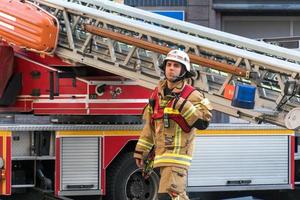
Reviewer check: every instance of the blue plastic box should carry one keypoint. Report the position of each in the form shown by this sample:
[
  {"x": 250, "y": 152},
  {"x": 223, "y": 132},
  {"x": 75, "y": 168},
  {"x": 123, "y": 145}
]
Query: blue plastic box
[{"x": 244, "y": 96}]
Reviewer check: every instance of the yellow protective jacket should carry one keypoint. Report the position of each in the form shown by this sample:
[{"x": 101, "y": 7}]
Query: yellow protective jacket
[{"x": 173, "y": 146}]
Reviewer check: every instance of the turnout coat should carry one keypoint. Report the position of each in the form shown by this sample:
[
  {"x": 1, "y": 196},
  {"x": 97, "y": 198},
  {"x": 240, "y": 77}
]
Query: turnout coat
[{"x": 170, "y": 124}]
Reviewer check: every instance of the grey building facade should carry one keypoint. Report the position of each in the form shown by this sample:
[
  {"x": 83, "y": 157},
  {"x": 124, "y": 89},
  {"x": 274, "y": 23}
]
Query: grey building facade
[
  {"x": 196, "y": 11},
  {"x": 250, "y": 18}
]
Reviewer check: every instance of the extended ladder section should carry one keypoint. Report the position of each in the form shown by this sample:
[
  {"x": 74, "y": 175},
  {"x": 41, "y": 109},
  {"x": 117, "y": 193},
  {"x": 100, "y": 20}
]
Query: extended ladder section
[{"x": 132, "y": 43}]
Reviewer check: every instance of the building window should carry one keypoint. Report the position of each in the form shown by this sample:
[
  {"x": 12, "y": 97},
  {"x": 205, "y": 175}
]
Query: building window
[{"x": 155, "y": 3}]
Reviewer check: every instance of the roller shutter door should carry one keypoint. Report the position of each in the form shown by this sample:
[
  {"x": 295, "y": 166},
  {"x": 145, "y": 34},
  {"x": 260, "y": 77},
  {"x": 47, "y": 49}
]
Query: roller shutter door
[
  {"x": 261, "y": 26},
  {"x": 80, "y": 164},
  {"x": 220, "y": 162}
]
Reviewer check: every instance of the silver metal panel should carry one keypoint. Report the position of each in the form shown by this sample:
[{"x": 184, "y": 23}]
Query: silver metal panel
[
  {"x": 33, "y": 158},
  {"x": 240, "y": 161},
  {"x": 21, "y": 142},
  {"x": 65, "y": 127},
  {"x": 258, "y": 27},
  {"x": 240, "y": 188},
  {"x": 23, "y": 186},
  {"x": 80, "y": 164},
  {"x": 79, "y": 193},
  {"x": 52, "y": 145},
  {"x": 266, "y": 6}
]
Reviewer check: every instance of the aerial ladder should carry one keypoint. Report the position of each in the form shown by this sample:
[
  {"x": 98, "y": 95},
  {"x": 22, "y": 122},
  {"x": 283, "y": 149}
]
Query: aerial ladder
[
  {"x": 129, "y": 42},
  {"x": 105, "y": 38}
]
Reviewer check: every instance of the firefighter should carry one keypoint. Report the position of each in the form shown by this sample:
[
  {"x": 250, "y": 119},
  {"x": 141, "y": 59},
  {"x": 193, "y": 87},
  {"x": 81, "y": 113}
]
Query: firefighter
[{"x": 174, "y": 112}]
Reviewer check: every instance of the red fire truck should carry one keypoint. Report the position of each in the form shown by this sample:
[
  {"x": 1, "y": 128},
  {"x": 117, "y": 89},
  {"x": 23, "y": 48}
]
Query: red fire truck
[{"x": 76, "y": 75}]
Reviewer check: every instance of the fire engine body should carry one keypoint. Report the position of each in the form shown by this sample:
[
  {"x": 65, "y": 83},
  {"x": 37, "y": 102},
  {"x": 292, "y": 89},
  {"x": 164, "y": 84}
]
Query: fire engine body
[{"x": 71, "y": 119}]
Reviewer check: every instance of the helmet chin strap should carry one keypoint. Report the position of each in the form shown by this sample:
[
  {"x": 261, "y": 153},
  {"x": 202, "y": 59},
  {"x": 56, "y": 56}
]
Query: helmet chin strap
[{"x": 178, "y": 78}]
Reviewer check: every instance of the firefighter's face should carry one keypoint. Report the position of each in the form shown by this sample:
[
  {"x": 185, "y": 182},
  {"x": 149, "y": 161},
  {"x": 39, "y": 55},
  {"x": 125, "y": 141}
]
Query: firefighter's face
[{"x": 173, "y": 70}]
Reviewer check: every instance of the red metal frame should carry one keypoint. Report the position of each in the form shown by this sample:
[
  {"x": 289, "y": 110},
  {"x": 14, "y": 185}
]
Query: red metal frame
[
  {"x": 292, "y": 160},
  {"x": 78, "y": 99},
  {"x": 111, "y": 148},
  {"x": 57, "y": 167},
  {"x": 1, "y": 154},
  {"x": 112, "y": 145},
  {"x": 7, "y": 165}
]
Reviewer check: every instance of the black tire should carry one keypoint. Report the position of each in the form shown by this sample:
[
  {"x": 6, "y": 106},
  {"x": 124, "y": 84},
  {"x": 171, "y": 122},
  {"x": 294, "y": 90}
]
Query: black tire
[{"x": 125, "y": 181}]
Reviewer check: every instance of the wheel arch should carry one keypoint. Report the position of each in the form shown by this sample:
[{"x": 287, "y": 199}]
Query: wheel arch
[{"x": 127, "y": 148}]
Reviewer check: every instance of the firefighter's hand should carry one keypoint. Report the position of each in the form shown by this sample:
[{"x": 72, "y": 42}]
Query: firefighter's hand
[{"x": 139, "y": 163}]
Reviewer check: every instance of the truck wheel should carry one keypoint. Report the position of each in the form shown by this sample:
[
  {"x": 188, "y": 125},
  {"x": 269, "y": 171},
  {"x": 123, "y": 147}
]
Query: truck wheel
[{"x": 125, "y": 181}]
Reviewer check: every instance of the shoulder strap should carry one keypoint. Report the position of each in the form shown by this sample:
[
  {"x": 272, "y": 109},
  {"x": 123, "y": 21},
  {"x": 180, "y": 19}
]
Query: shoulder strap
[
  {"x": 154, "y": 93},
  {"x": 154, "y": 99},
  {"x": 187, "y": 91}
]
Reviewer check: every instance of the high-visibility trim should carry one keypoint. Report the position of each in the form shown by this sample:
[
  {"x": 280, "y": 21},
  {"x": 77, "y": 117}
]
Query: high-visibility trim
[
  {"x": 177, "y": 139},
  {"x": 163, "y": 103},
  {"x": 186, "y": 157},
  {"x": 189, "y": 112},
  {"x": 150, "y": 109},
  {"x": 173, "y": 158},
  {"x": 145, "y": 144},
  {"x": 79, "y": 133},
  {"x": 168, "y": 110},
  {"x": 98, "y": 133},
  {"x": 199, "y": 105},
  {"x": 5, "y": 157},
  {"x": 173, "y": 161},
  {"x": 5, "y": 133},
  {"x": 189, "y": 115}
]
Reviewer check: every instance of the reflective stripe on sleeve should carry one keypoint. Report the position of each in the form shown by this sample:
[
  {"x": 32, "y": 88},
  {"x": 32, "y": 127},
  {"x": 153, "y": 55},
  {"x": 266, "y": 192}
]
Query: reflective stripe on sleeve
[
  {"x": 189, "y": 112},
  {"x": 145, "y": 144},
  {"x": 198, "y": 105}
]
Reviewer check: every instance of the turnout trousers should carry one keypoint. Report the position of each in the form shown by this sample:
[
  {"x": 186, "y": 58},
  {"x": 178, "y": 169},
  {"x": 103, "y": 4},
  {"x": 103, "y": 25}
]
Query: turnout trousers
[{"x": 172, "y": 185}]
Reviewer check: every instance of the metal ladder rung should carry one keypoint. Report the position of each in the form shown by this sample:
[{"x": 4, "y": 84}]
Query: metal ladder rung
[{"x": 266, "y": 111}]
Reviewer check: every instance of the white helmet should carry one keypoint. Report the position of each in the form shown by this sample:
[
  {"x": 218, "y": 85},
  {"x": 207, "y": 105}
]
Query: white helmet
[{"x": 181, "y": 57}]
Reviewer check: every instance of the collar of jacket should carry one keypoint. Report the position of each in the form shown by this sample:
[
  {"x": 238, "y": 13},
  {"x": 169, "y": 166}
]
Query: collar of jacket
[{"x": 177, "y": 89}]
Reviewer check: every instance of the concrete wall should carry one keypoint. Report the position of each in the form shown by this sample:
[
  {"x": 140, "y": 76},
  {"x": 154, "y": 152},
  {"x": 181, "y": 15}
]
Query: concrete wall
[
  {"x": 197, "y": 11},
  {"x": 201, "y": 12}
]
